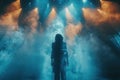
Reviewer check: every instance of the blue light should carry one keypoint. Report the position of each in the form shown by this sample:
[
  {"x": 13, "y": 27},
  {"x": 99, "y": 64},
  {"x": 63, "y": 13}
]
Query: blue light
[{"x": 84, "y": 1}]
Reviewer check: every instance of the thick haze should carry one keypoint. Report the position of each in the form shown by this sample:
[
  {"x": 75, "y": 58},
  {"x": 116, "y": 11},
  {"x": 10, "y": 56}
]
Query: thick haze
[{"x": 25, "y": 44}]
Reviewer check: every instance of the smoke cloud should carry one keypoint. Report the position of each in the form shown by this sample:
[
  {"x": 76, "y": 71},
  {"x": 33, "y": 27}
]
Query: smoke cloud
[
  {"x": 107, "y": 15},
  {"x": 25, "y": 51}
]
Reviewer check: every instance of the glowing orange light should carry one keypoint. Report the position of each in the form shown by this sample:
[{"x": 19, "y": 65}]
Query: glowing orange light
[
  {"x": 68, "y": 15},
  {"x": 72, "y": 30},
  {"x": 51, "y": 16}
]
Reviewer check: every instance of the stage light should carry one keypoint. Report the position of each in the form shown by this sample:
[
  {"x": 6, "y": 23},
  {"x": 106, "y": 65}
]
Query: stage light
[
  {"x": 48, "y": 5},
  {"x": 59, "y": 4},
  {"x": 84, "y": 1}
]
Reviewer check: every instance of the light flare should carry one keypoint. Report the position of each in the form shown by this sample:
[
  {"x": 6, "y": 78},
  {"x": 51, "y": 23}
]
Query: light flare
[
  {"x": 84, "y": 1},
  {"x": 51, "y": 16},
  {"x": 68, "y": 15}
]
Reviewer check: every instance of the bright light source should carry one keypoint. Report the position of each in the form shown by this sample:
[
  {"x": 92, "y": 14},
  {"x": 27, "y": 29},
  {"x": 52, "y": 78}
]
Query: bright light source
[
  {"x": 48, "y": 5},
  {"x": 84, "y": 1}
]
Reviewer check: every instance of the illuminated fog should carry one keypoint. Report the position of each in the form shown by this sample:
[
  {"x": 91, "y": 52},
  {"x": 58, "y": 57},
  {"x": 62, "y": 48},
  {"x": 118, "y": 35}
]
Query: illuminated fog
[{"x": 25, "y": 52}]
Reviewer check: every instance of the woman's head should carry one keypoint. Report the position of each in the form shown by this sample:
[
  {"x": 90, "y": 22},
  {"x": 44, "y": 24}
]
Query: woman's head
[{"x": 58, "y": 38}]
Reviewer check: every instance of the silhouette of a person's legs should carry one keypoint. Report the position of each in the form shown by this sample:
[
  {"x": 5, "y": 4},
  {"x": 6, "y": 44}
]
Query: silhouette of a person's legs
[
  {"x": 57, "y": 73},
  {"x": 63, "y": 74}
]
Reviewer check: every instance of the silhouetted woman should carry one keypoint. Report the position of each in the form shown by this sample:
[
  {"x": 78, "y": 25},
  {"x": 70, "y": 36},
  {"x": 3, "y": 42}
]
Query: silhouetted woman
[{"x": 59, "y": 58}]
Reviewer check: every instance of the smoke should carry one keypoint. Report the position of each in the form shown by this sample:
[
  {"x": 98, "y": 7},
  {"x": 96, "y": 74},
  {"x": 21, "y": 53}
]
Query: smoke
[
  {"x": 110, "y": 7},
  {"x": 14, "y": 17},
  {"x": 9, "y": 43},
  {"x": 106, "y": 21},
  {"x": 107, "y": 15},
  {"x": 51, "y": 16},
  {"x": 28, "y": 20},
  {"x": 27, "y": 52},
  {"x": 10, "y": 18},
  {"x": 13, "y": 6},
  {"x": 72, "y": 30}
]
